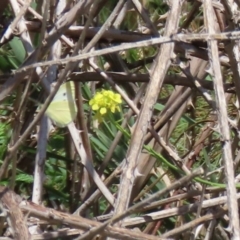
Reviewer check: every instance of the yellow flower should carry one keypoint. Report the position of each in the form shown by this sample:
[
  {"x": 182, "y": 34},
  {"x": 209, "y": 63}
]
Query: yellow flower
[{"x": 105, "y": 101}]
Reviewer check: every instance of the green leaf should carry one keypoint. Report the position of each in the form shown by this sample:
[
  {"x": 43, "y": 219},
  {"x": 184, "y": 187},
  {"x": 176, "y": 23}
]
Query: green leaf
[
  {"x": 18, "y": 49},
  {"x": 26, "y": 178}
]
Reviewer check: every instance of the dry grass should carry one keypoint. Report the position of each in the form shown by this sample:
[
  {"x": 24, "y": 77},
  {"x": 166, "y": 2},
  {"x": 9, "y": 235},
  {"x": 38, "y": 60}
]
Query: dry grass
[{"x": 177, "y": 70}]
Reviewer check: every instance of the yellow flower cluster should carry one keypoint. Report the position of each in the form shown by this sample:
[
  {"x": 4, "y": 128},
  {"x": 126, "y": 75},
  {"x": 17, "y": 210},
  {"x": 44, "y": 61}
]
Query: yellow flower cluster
[{"x": 105, "y": 101}]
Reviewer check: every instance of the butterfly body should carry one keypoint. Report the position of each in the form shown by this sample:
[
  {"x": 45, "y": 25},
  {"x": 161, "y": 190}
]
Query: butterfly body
[{"x": 63, "y": 110}]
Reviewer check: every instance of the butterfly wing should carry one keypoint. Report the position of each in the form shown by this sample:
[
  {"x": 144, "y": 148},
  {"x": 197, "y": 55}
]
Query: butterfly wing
[
  {"x": 65, "y": 92},
  {"x": 63, "y": 110}
]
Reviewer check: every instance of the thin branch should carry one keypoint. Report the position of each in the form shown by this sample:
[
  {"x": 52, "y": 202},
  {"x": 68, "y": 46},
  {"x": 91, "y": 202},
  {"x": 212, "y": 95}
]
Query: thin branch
[
  {"x": 157, "y": 75},
  {"x": 223, "y": 121},
  {"x": 146, "y": 43}
]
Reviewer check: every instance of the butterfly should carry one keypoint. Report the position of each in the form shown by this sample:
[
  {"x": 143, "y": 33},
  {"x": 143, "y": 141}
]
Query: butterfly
[{"x": 63, "y": 110}]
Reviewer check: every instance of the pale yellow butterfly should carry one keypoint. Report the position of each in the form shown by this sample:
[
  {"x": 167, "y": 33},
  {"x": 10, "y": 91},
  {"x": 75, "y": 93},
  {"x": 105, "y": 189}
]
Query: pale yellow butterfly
[{"x": 63, "y": 110}]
